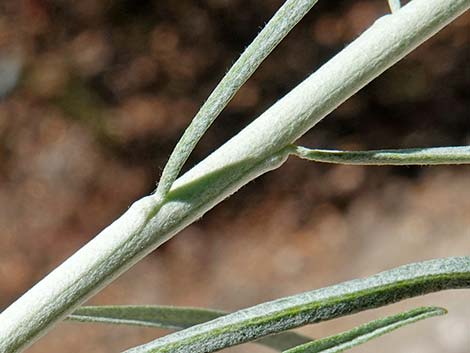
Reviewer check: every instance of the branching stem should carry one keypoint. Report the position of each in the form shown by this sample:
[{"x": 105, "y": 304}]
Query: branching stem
[{"x": 272, "y": 34}]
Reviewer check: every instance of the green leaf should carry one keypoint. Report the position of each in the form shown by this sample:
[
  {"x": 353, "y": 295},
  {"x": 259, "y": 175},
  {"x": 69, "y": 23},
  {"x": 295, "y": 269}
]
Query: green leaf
[
  {"x": 167, "y": 317},
  {"x": 364, "y": 333},
  {"x": 271, "y": 35},
  {"x": 315, "y": 306},
  {"x": 411, "y": 156},
  {"x": 173, "y": 318}
]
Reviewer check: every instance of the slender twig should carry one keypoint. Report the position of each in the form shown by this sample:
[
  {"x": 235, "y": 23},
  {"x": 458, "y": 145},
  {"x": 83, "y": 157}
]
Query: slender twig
[
  {"x": 411, "y": 156},
  {"x": 272, "y": 34},
  {"x": 255, "y": 150}
]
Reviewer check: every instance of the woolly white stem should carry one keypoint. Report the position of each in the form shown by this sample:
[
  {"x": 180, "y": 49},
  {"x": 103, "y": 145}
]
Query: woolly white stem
[{"x": 254, "y": 151}]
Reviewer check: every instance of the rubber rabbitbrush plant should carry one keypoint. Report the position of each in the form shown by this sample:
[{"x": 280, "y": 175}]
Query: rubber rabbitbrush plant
[{"x": 258, "y": 148}]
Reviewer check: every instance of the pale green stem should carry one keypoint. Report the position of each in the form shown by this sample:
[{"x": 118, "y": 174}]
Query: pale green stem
[
  {"x": 272, "y": 34},
  {"x": 252, "y": 152},
  {"x": 316, "y": 306},
  {"x": 412, "y": 156},
  {"x": 364, "y": 333}
]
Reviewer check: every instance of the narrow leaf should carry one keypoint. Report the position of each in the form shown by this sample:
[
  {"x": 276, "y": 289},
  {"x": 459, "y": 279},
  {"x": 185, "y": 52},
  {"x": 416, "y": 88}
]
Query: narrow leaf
[
  {"x": 173, "y": 318},
  {"x": 412, "y": 156},
  {"x": 275, "y": 30},
  {"x": 394, "y": 5},
  {"x": 315, "y": 306},
  {"x": 364, "y": 333},
  {"x": 167, "y": 317}
]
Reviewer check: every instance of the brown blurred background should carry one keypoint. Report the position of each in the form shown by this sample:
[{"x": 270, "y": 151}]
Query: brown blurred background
[{"x": 94, "y": 95}]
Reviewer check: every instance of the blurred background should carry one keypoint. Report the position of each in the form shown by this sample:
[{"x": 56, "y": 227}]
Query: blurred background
[{"x": 95, "y": 94}]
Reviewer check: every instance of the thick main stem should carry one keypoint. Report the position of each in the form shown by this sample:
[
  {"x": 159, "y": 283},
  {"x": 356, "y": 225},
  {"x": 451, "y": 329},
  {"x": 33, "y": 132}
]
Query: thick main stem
[{"x": 255, "y": 150}]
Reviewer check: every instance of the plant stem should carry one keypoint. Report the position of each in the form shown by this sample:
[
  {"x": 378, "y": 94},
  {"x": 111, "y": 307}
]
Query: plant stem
[{"x": 255, "y": 150}]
